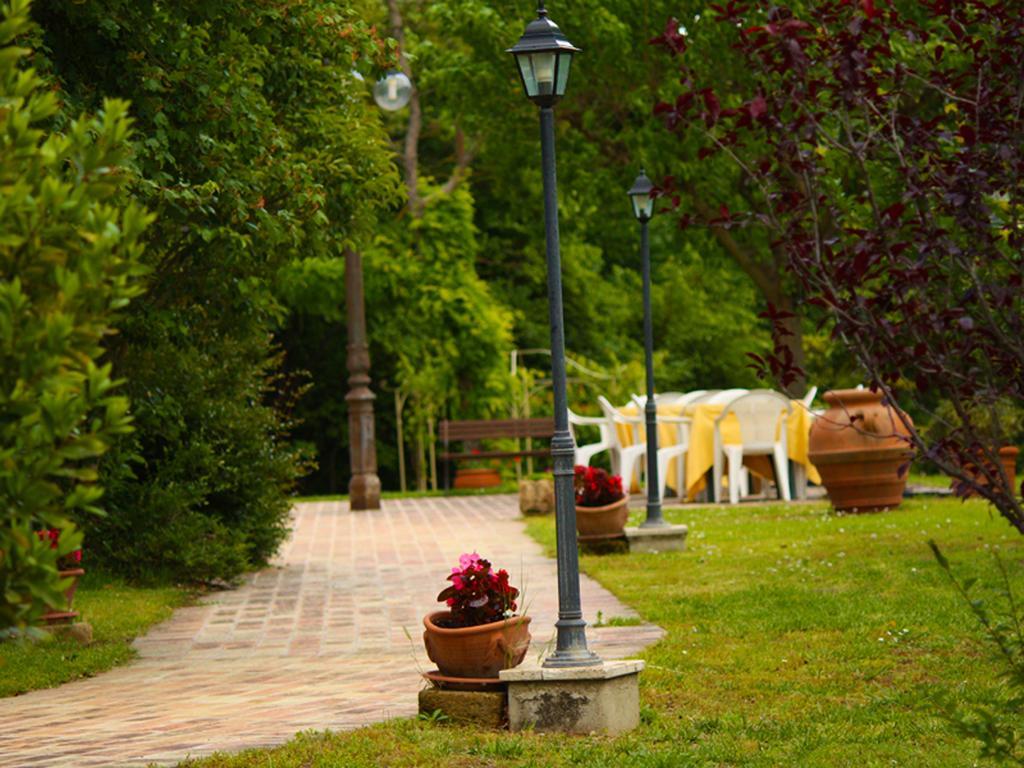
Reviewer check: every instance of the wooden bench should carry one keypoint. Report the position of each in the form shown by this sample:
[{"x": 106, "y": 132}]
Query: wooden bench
[{"x": 475, "y": 430}]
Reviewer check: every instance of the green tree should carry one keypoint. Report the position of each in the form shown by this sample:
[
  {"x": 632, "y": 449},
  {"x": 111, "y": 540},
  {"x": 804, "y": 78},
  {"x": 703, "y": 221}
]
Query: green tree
[
  {"x": 469, "y": 131},
  {"x": 69, "y": 263},
  {"x": 257, "y": 149},
  {"x": 606, "y": 132}
]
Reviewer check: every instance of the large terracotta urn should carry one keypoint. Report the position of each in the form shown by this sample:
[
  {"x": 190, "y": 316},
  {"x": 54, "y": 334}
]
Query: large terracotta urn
[
  {"x": 859, "y": 446},
  {"x": 478, "y": 652}
]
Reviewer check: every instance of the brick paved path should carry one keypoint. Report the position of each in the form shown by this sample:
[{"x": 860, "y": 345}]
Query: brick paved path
[{"x": 328, "y": 638}]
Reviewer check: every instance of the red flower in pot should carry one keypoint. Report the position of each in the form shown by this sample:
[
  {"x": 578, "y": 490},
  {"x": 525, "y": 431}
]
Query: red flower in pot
[
  {"x": 480, "y": 634},
  {"x": 602, "y": 508}
]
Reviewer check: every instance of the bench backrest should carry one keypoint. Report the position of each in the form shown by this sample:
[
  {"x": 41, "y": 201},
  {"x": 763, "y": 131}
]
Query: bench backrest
[{"x": 494, "y": 429}]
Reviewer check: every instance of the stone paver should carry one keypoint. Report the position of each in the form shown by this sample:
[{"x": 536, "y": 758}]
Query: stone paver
[{"x": 330, "y": 637}]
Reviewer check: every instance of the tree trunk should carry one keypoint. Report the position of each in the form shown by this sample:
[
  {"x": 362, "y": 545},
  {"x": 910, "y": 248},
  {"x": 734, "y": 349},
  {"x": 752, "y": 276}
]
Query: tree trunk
[{"x": 795, "y": 343}]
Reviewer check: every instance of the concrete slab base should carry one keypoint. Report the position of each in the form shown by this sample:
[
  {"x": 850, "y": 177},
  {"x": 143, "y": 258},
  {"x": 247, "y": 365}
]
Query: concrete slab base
[
  {"x": 483, "y": 708},
  {"x": 604, "y": 698},
  {"x": 668, "y": 538}
]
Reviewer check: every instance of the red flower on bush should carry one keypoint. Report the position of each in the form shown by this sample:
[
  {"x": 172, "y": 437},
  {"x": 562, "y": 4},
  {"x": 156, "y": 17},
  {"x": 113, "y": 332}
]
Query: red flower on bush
[
  {"x": 478, "y": 594},
  {"x": 596, "y": 488},
  {"x": 68, "y": 561}
]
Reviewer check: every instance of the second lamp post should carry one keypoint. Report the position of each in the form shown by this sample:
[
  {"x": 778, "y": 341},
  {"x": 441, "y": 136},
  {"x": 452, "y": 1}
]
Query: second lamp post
[{"x": 643, "y": 208}]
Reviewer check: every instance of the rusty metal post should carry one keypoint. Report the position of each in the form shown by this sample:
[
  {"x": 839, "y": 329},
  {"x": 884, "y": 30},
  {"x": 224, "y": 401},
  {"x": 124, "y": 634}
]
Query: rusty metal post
[{"x": 364, "y": 487}]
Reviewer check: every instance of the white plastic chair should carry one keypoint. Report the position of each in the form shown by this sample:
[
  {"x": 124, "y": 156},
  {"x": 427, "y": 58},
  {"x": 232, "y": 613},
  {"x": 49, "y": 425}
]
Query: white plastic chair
[
  {"x": 625, "y": 458},
  {"x": 808, "y": 399},
  {"x": 689, "y": 398},
  {"x": 584, "y": 453},
  {"x": 761, "y": 415},
  {"x": 723, "y": 396},
  {"x": 668, "y": 452},
  {"x": 661, "y": 398},
  {"x": 701, "y": 396}
]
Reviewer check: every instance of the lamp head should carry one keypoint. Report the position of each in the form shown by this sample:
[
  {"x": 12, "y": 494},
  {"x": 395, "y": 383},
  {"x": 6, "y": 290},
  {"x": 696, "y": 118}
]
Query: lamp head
[
  {"x": 544, "y": 56},
  {"x": 642, "y": 196}
]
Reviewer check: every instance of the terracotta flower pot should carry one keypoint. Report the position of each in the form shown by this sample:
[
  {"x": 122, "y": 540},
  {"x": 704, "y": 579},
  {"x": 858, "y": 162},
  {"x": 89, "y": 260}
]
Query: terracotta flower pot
[
  {"x": 602, "y": 522},
  {"x": 55, "y": 616},
  {"x": 479, "y": 652},
  {"x": 858, "y": 447},
  {"x": 1008, "y": 458},
  {"x": 477, "y": 478}
]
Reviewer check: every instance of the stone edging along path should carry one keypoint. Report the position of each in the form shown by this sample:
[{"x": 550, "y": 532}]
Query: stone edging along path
[{"x": 328, "y": 638}]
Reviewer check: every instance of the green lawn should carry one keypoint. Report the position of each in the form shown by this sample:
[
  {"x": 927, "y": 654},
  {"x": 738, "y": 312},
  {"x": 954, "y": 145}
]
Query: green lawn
[
  {"x": 795, "y": 638},
  {"x": 929, "y": 481},
  {"x": 117, "y": 613}
]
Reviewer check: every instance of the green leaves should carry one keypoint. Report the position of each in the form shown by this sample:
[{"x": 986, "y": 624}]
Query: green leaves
[
  {"x": 68, "y": 259},
  {"x": 257, "y": 150}
]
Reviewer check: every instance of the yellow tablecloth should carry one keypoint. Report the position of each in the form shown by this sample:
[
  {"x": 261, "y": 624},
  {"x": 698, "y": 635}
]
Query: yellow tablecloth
[{"x": 701, "y": 455}]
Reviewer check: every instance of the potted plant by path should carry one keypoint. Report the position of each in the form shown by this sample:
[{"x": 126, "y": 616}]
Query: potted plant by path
[
  {"x": 602, "y": 507},
  {"x": 480, "y": 634},
  {"x": 70, "y": 568},
  {"x": 479, "y": 474}
]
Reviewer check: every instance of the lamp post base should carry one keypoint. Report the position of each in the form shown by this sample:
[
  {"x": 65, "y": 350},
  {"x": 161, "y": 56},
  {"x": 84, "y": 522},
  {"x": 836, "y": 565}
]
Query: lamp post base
[
  {"x": 364, "y": 492},
  {"x": 577, "y": 657},
  {"x": 604, "y": 698},
  {"x": 655, "y": 520},
  {"x": 572, "y": 650}
]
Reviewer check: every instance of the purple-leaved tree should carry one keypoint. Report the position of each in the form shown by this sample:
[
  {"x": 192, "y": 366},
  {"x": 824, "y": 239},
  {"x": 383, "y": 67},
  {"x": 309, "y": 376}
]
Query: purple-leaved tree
[{"x": 883, "y": 146}]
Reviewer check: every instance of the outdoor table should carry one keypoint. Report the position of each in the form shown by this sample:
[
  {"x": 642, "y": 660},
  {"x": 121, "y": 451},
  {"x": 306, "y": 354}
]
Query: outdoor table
[{"x": 700, "y": 457}]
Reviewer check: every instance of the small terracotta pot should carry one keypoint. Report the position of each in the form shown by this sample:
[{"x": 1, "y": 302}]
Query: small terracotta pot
[
  {"x": 477, "y": 478},
  {"x": 1008, "y": 458},
  {"x": 478, "y": 652},
  {"x": 54, "y": 616},
  {"x": 603, "y": 522},
  {"x": 858, "y": 447}
]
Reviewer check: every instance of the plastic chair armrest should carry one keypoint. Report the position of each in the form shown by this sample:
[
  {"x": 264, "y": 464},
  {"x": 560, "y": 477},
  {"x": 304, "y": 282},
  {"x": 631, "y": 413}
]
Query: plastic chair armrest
[{"x": 589, "y": 421}]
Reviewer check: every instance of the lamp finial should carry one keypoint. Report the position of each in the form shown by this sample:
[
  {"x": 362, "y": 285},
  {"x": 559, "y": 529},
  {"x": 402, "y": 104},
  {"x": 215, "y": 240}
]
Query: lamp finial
[{"x": 541, "y": 10}]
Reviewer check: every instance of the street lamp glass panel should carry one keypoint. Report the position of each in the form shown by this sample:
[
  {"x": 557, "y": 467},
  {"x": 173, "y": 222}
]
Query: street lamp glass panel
[
  {"x": 538, "y": 71},
  {"x": 544, "y": 69},
  {"x": 392, "y": 92},
  {"x": 643, "y": 206},
  {"x": 545, "y": 73},
  {"x": 564, "y": 63}
]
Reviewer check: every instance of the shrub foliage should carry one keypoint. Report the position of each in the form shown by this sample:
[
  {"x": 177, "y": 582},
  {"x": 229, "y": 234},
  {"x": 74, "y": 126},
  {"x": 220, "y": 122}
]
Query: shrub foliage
[
  {"x": 69, "y": 259},
  {"x": 256, "y": 151}
]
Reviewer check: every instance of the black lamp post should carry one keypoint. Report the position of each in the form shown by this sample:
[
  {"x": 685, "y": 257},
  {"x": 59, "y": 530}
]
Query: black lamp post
[
  {"x": 544, "y": 56},
  {"x": 643, "y": 209}
]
